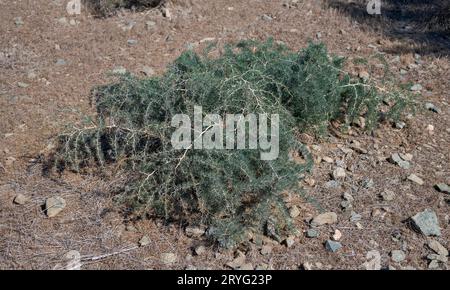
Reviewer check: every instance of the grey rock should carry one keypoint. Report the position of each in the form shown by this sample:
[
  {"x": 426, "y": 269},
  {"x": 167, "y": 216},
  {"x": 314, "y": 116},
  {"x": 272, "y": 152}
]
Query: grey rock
[
  {"x": 60, "y": 62},
  {"x": 332, "y": 246},
  {"x": 396, "y": 159},
  {"x": 339, "y": 173},
  {"x": 266, "y": 250},
  {"x": 439, "y": 258},
  {"x": 416, "y": 88},
  {"x": 432, "y": 107},
  {"x": 312, "y": 233},
  {"x": 434, "y": 264},
  {"x": 266, "y": 17},
  {"x": 294, "y": 211},
  {"x": 398, "y": 256},
  {"x": 442, "y": 187},
  {"x": 54, "y": 205},
  {"x": 22, "y": 85},
  {"x": 427, "y": 223},
  {"x": 18, "y": 21},
  {"x": 400, "y": 125},
  {"x": 355, "y": 217},
  {"x": 332, "y": 184},
  {"x": 132, "y": 41}
]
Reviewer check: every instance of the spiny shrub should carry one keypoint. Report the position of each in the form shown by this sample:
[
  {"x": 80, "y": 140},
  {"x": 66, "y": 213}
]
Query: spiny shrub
[{"x": 231, "y": 191}]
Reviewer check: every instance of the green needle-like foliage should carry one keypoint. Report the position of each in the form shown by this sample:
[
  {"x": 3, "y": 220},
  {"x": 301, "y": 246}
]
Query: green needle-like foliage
[{"x": 231, "y": 191}]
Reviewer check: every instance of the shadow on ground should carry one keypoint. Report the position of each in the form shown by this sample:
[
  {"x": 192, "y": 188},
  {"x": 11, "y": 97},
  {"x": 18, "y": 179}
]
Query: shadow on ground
[{"x": 423, "y": 23}]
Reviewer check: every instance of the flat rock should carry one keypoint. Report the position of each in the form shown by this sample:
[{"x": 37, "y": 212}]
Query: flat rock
[
  {"x": 437, "y": 248},
  {"x": 396, "y": 159},
  {"x": 416, "y": 88},
  {"x": 332, "y": 246},
  {"x": 416, "y": 179},
  {"x": 20, "y": 199},
  {"x": 427, "y": 223},
  {"x": 327, "y": 218},
  {"x": 54, "y": 205}
]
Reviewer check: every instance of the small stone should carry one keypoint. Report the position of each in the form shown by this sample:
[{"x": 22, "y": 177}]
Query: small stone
[
  {"x": 22, "y": 85},
  {"x": 246, "y": 267},
  {"x": 337, "y": 235},
  {"x": 131, "y": 228},
  {"x": 54, "y": 205},
  {"x": 406, "y": 156},
  {"x": 18, "y": 21},
  {"x": 439, "y": 258},
  {"x": 355, "y": 217},
  {"x": 332, "y": 246},
  {"x": 364, "y": 75},
  {"x": 311, "y": 182},
  {"x": 31, "y": 75},
  {"x": 416, "y": 87},
  {"x": 266, "y": 17},
  {"x": 388, "y": 195},
  {"x": 63, "y": 21},
  {"x": 144, "y": 241},
  {"x": 324, "y": 218},
  {"x": 339, "y": 173},
  {"x": 119, "y": 70},
  {"x": 262, "y": 267},
  {"x": 194, "y": 232},
  {"x": 396, "y": 159},
  {"x": 266, "y": 250},
  {"x": 73, "y": 22},
  {"x": 398, "y": 256},
  {"x": 373, "y": 260},
  {"x": 294, "y": 211},
  {"x": 437, "y": 248},
  {"x": 434, "y": 264},
  {"x": 150, "y": 24},
  {"x": 307, "y": 266},
  {"x": 60, "y": 62},
  {"x": 166, "y": 13},
  {"x": 312, "y": 233},
  {"x": 400, "y": 125},
  {"x": 332, "y": 184},
  {"x": 289, "y": 242},
  {"x": 432, "y": 107},
  {"x": 168, "y": 258},
  {"x": 327, "y": 159},
  {"x": 346, "y": 205},
  {"x": 200, "y": 250},
  {"x": 20, "y": 199},
  {"x": 427, "y": 223},
  {"x": 319, "y": 35},
  {"x": 442, "y": 187},
  {"x": 430, "y": 128},
  {"x": 132, "y": 42},
  {"x": 414, "y": 178},
  {"x": 347, "y": 196}
]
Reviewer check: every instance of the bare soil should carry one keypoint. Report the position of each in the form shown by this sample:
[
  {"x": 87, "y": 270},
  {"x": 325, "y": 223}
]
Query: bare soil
[{"x": 32, "y": 115}]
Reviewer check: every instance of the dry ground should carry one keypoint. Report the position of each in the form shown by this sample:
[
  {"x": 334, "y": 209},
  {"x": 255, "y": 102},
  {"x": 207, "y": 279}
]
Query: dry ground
[{"x": 91, "y": 224}]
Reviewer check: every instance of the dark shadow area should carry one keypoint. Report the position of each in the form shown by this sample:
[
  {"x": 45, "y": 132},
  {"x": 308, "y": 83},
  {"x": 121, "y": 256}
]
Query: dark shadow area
[
  {"x": 423, "y": 23},
  {"x": 104, "y": 8}
]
